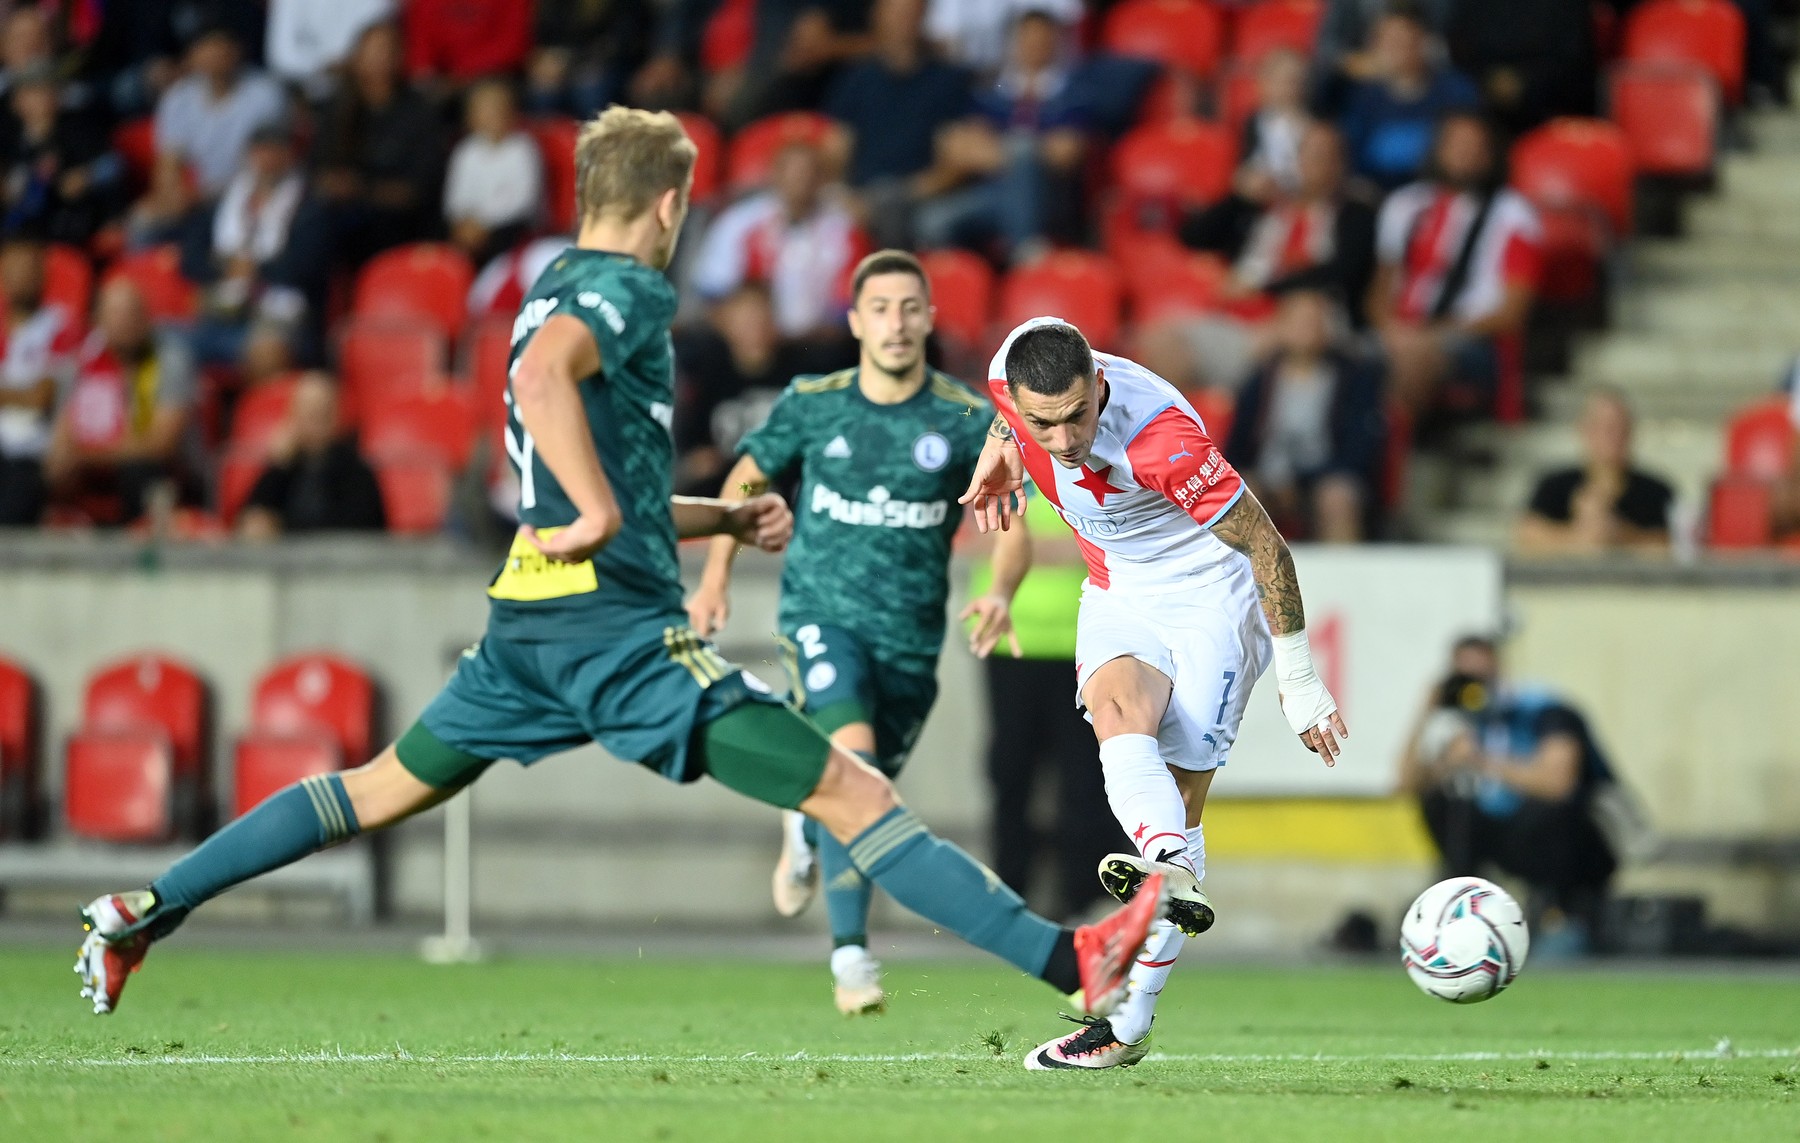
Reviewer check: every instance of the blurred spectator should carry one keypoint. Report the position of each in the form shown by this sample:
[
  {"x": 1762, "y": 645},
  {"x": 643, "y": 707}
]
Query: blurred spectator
[
  {"x": 125, "y": 428},
  {"x": 897, "y": 160},
  {"x": 1343, "y": 54},
  {"x": 798, "y": 238},
  {"x": 135, "y": 57},
  {"x": 35, "y": 361},
  {"x": 1604, "y": 504},
  {"x": 584, "y": 52},
  {"x": 976, "y": 34},
  {"x": 495, "y": 188},
  {"x": 1308, "y": 429},
  {"x": 1506, "y": 777},
  {"x": 27, "y": 46},
  {"x": 206, "y": 119},
  {"x": 1389, "y": 117},
  {"x": 316, "y": 480},
  {"x": 1271, "y": 140},
  {"x": 61, "y": 181},
  {"x": 500, "y": 287},
  {"x": 462, "y": 40},
  {"x": 262, "y": 253},
  {"x": 1532, "y": 59},
  {"x": 1025, "y": 159},
  {"x": 1459, "y": 260},
  {"x": 380, "y": 153},
  {"x": 309, "y": 39},
  {"x": 730, "y": 374}
]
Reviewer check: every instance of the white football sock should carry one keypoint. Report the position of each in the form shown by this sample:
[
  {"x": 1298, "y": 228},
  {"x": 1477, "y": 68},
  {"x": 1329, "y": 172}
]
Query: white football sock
[
  {"x": 844, "y": 956},
  {"x": 1144, "y": 797},
  {"x": 1131, "y": 1022}
]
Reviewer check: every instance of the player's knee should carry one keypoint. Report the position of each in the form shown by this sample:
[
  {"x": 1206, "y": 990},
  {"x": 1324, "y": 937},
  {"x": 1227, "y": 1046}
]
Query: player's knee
[
  {"x": 383, "y": 791},
  {"x": 1119, "y": 713},
  {"x": 851, "y": 796}
]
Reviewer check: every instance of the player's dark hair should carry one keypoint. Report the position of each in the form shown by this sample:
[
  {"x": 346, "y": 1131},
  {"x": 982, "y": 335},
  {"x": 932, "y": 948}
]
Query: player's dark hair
[
  {"x": 887, "y": 262},
  {"x": 1474, "y": 641},
  {"x": 1049, "y": 359}
]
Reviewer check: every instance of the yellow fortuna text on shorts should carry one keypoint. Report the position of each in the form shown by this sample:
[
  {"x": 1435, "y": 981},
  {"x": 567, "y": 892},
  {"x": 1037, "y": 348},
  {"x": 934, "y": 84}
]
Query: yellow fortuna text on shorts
[{"x": 529, "y": 575}]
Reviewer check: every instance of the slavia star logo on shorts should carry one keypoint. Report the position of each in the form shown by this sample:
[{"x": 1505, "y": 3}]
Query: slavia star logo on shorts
[{"x": 1096, "y": 483}]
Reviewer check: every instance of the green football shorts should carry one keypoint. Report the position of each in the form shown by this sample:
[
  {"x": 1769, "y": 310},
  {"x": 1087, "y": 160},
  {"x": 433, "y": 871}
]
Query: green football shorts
[{"x": 837, "y": 682}]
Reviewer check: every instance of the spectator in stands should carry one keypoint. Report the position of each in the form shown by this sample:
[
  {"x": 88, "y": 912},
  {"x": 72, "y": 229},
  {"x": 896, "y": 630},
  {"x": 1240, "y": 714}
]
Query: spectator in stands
[
  {"x": 1389, "y": 117},
  {"x": 456, "y": 41},
  {"x": 27, "y": 46},
  {"x": 316, "y": 480},
  {"x": 1606, "y": 503},
  {"x": 799, "y": 238},
  {"x": 309, "y": 39},
  {"x": 1459, "y": 255},
  {"x": 898, "y": 160},
  {"x": 135, "y": 57},
  {"x": 1506, "y": 777},
  {"x": 1343, "y": 55},
  {"x": 495, "y": 189},
  {"x": 1532, "y": 59},
  {"x": 58, "y": 178},
  {"x": 1270, "y": 147},
  {"x": 379, "y": 154},
  {"x": 500, "y": 287},
  {"x": 1308, "y": 429},
  {"x": 125, "y": 428},
  {"x": 204, "y": 122},
  {"x": 262, "y": 254},
  {"x": 35, "y": 363},
  {"x": 584, "y": 52},
  {"x": 1023, "y": 157},
  {"x": 978, "y": 34}
]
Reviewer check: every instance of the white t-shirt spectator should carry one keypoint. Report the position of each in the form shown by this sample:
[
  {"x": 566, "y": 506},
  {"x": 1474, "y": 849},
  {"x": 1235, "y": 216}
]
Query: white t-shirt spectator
[
  {"x": 211, "y": 135},
  {"x": 1421, "y": 231},
  {"x": 43, "y": 345},
  {"x": 306, "y": 38},
  {"x": 495, "y": 184},
  {"x": 974, "y": 33},
  {"x": 807, "y": 265}
]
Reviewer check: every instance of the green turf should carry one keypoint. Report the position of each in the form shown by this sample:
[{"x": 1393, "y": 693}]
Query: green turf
[{"x": 782, "y": 1061}]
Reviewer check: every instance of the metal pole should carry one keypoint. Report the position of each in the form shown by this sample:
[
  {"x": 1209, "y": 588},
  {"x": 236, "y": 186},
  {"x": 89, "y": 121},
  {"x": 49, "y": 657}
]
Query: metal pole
[{"x": 457, "y": 944}]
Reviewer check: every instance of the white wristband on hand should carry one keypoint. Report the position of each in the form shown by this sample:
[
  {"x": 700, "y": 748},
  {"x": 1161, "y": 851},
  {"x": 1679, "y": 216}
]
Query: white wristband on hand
[{"x": 1304, "y": 699}]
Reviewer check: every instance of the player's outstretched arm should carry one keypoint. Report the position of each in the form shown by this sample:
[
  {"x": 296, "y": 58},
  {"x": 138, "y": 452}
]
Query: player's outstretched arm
[
  {"x": 997, "y": 489},
  {"x": 710, "y": 605},
  {"x": 546, "y": 393},
  {"x": 992, "y": 612},
  {"x": 1309, "y": 707}
]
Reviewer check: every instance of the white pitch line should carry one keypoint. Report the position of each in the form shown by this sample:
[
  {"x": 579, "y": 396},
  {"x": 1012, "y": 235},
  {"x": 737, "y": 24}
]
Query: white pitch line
[{"x": 400, "y": 1055}]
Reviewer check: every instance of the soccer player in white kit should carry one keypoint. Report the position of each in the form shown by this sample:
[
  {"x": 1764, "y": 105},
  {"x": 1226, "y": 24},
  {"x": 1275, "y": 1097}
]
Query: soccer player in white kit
[{"x": 1190, "y": 593}]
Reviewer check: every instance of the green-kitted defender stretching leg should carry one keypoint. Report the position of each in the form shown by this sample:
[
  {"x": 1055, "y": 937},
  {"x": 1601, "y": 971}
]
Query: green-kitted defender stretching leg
[{"x": 587, "y": 639}]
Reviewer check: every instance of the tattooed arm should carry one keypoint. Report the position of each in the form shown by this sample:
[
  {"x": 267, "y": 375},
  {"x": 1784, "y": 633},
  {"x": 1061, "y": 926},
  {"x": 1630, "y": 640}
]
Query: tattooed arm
[{"x": 997, "y": 489}]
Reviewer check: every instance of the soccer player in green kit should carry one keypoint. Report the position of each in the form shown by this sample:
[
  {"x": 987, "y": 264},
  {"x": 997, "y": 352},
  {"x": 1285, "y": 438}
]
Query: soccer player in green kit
[
  {"x": 587, "y": 640},
  {"x": 883, "y": 451}
]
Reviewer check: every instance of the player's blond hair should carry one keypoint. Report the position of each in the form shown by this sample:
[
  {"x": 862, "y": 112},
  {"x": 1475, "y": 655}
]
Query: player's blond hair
[{"x": 626, "y": 158}]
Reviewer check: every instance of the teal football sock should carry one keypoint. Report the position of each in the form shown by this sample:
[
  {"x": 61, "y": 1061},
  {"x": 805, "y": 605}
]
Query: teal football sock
[
  {"x": 847, "y": 893},
  {"x": 946, "y": 886}
]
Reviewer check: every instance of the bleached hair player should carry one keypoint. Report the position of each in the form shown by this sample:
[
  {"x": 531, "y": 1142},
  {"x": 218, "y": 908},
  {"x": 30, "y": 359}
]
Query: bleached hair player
[{"x": 1190, "y": 593}]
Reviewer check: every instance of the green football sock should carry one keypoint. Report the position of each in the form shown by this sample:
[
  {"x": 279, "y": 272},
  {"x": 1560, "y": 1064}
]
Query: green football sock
[{"x": 847, "y": 892}]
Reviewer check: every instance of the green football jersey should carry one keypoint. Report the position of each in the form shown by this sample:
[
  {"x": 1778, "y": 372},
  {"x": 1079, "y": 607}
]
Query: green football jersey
[
  {"x": 877, "y": 505},
  {"x": 634, "y": 582}
]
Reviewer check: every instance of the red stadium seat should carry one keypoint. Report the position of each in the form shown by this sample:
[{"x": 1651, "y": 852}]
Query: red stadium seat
[
  {"x": 1739, "y": 513},
  {"x": 119, "y": 785},
  {"x": 753, "y": 149},
  {"x": 489, "y": 351},
  {"x": 555, "y": 140},
  {"x": 1272, "y": 24},
  {"x": 1214, "y": 407},
  {"x": 1574, "y": 248},
  {"x": 238, "y": 474},
  {"x": 1182, "y": 163},
  {"x": 1572, "y": 162},
  {"x": 426, "y": 281},
  {"x": 154, "y": 692},
  {"x": 135, "y": 141},
  {"x": 1709, "y": 33},
  {"x": 439, "y": 423},
  {"x": 1759, "y": 442},
  {"x": 1182, "y": 35},
  {"x": 962, "y": 289},
  {"x": 318, "y": 694},
  {"x": 157, "y": 273},
  {"x": 1235, "y": 97},
  {"x": 415, "y": 490},
  {"x": 1169, "y": 280},
  {"x": 260, "y": 414},
  {"x": 69, "y": 280},
  {"x": 1669, "y": 114},
  {"x": 1080, "y": 287},
  {"x": 386, "y": 357},
  {"x": 21, "y": 760},
  {"x": 265, "y": 763},
  {"x": 710, "y": 146}
]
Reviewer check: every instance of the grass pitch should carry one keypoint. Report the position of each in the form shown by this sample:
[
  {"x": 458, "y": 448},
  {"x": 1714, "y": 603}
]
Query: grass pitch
[{"x": 234, "y": 1046}]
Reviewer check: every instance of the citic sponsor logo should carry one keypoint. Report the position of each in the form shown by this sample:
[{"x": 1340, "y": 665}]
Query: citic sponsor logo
[{"x": 880, "y": 510}]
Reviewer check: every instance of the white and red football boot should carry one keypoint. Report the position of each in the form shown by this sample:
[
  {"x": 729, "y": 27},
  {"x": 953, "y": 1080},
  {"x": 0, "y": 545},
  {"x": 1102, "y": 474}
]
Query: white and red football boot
[
  {"x": 1106, "y": 950},
  {"x": 112, "y": 950}
]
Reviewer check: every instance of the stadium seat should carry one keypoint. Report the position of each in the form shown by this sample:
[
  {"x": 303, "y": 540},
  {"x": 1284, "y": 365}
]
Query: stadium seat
[
  {"x": 1709, "y": 33},
  {"x": 156, "y": 692},
  {"x": 1234, "y": 97},
  {"x": 387, "y": 357},
  {"x": 238, "y": 473},
  {"x": 1574, "y": 249},
  {"x": 1759, "y": 441},
  {"x": 264, "y": 763},
  {"x": 135, "y": 142},
  {"x": 754, "y": 148},
  {"x": 1669, "y": 115},
  {"x": 710, "y": 146},
  {"x": 415, "y": 490},
  {"x": 1571, "y": 162},
  {"x": 555, "y": 138},
  {"x": 318, "y": 693},
  {"x": 489, "y": 350},
  {"x": 962, "y": 289},
  {"x": 1174, "y": 165},
  {"x": 1263, "y": 27},
  {"x": 426, "y": 281},
  {"x": 157, "y": 273},
  {"x": 69, "y": 280},
  {"x": 21, "y": 760},
  {"x": 1739, "y": 513},
  {"x": 260, "y": 414},
  {"x": 118, "y": 786},
  {"x": 1169, "y": 280},
  {"x": 1214, "y": 408},
  {"x": 440, "y": 423},
  {"x": 1075, "y": 285},
  {"x": 1182, "y": 35}
]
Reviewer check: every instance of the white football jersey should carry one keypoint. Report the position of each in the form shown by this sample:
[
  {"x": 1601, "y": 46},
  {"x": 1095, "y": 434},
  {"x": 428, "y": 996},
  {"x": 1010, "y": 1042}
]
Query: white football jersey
[{"x": 1143, "y": 504}]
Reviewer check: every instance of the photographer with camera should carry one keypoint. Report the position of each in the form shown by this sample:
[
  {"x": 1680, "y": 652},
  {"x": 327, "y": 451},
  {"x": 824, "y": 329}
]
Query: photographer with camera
[{"x": 1510, "y": 777}]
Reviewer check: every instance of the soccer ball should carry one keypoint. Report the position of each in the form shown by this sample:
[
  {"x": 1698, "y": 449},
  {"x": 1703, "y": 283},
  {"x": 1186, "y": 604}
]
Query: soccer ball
[{"x": 1464, "y": 940}]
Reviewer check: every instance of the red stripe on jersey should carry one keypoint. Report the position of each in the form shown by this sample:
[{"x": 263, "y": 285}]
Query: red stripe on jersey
[
  {"x": 1173, "y": 455},
  {"x": 1521, "y": 260},
  {"x": 1425, "y": 258},
  {"x": 1042, "y": 471}
]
